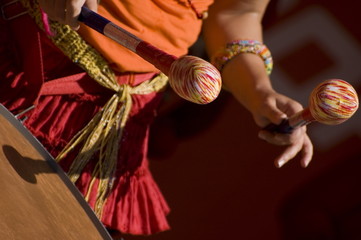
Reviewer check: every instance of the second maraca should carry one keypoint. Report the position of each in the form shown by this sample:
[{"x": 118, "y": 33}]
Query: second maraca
[{"x": 332, "y": 102}]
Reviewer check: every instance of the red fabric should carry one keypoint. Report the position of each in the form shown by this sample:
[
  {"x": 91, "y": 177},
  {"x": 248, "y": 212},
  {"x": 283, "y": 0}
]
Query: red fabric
[
  {"x": 80, "y": 83},
  {"x": 19, "y": 76},
  {"x": 135, "y": 205}
]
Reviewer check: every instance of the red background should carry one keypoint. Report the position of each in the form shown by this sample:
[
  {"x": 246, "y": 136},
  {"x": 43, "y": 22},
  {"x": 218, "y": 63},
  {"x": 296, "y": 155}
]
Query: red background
[{"x": 219, "y": 178}]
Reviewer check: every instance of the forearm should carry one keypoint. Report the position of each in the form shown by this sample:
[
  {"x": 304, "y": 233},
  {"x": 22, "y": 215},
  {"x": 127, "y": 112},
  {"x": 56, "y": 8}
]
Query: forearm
[{"x": 230, "y": 20}]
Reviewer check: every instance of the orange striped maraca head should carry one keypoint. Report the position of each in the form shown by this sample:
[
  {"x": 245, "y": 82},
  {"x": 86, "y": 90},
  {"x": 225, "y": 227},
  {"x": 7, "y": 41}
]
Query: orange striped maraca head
[
  {"x": 333, "y": 102},
  {"x": 195, "y": 79}
]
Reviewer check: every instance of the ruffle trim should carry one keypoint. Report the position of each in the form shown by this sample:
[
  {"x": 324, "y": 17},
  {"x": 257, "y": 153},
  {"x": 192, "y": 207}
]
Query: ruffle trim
[
  {"x": 137, "y": 199},
  {"x": 142, "y": 209}
]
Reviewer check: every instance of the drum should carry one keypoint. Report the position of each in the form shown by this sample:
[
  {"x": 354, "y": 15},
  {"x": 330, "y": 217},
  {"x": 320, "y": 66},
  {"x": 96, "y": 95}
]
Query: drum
[{"x": 37, "y": 200}]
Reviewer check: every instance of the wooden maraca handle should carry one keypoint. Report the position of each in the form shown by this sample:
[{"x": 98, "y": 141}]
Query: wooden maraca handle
[
  {"x": 331, "y": 102},
  {"x": 192, "y": 78},
  {"x": 300, "y": 119},
  {"x": 155, "y": 56},
  {"x": 283, "y": 127}
]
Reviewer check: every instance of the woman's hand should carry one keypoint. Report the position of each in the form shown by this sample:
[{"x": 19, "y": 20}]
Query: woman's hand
[
  {"x": 273, "y": 107},
  {"x": 247, "y": 80},
  {"x": 245, "y": 77},
  {"x": 66, "y": 11}
]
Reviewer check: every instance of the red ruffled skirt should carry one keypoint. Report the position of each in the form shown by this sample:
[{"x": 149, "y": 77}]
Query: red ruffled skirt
[{"x": 135, "y": 205}]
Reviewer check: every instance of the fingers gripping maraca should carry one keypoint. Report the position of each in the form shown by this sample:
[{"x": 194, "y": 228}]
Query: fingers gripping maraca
[{"x": 331, "y": 102}]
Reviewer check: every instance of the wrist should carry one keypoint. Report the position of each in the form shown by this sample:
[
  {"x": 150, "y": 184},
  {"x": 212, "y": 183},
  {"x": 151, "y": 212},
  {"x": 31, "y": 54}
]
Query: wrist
[
  {"x": 244, "y": 77},
  {"x": 237, "y": 47}
]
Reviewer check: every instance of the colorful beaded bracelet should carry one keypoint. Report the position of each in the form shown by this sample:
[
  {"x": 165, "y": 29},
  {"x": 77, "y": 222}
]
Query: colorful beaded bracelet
[{"x": 234, "y": 48}]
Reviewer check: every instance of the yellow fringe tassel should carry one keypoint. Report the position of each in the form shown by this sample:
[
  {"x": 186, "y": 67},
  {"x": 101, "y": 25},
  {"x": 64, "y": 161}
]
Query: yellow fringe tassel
[{"x": 103, "y": 133}]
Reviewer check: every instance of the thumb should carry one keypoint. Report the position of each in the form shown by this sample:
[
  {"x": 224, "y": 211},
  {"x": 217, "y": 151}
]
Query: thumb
[{"x": 274, "y": 115}]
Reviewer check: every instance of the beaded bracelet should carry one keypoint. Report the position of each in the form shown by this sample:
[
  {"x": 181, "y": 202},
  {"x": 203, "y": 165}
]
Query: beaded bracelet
[{"x": 234, "y": 48}]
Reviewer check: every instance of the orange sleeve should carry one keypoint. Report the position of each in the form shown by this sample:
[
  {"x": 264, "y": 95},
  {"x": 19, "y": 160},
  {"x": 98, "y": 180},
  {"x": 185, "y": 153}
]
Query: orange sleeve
[{"x": 169, "y": 25}]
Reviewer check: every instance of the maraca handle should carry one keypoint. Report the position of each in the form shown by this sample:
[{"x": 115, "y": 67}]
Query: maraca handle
[
  {"x": 299, "y": 119},
  {"x": 192, "y": 78},
  {"x": 94, "y": 20},
  {"x": 283, "y": 127},
  {"x": 148, "y": 52},
  {"x": 155, "y": 56}
]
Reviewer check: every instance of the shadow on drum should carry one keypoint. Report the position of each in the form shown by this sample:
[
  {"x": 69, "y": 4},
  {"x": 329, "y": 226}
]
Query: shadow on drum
[{"x": 26, "y": 168}]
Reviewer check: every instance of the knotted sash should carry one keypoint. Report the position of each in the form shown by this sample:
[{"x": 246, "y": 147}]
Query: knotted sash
[{"x": 101, "y": 137}]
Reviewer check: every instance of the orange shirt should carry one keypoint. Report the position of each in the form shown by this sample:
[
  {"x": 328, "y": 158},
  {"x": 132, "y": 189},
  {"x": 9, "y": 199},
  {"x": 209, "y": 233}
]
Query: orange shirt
[{"x": 170, "y": 25}]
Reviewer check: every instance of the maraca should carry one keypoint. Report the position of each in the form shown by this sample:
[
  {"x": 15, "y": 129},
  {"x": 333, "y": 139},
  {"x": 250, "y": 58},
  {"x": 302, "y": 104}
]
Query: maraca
[
  {"x": 332, "y": 102},
  {"x": 192, "y": 78}
]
